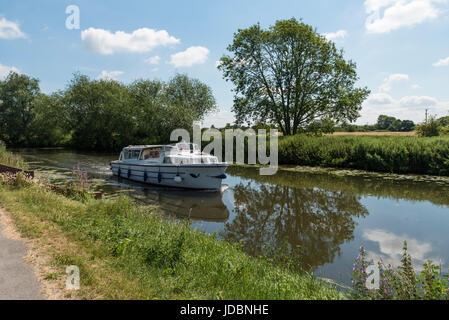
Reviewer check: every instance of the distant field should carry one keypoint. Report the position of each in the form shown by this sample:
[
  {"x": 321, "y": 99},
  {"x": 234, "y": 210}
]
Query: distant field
[{"x": 373, "y": 133}]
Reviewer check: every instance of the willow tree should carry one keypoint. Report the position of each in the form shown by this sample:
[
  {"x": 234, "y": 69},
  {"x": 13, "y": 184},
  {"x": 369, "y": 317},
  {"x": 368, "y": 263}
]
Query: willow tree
[{"x": 290, "y": 75}]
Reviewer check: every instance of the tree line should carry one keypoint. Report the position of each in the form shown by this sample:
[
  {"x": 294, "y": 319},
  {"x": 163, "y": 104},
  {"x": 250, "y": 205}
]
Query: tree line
[{"x": 99, "y": 114}]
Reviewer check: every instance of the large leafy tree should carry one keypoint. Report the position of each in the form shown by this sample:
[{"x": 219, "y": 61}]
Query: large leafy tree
[
  {"x": 17, "y": 97},
  {"x": 50, "y": 120},
  {"x": 290, "y": 75},
  {"x": 100, "y": 113}
]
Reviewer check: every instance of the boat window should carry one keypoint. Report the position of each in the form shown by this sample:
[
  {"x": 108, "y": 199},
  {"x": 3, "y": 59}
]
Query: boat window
[
  {"x": 183, "y": 146},
  {"x": 131, "y": 154},
  {"x": 151, "y": 153},
  {"x": 168, "y": 160}
]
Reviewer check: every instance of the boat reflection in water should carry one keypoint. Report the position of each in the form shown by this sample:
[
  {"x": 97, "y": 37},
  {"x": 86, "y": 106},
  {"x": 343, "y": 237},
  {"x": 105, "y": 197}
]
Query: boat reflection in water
[{"x": 195, "y": 205}]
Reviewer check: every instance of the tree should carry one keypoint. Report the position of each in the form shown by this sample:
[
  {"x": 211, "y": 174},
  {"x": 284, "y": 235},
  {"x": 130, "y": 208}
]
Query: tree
[
  {"x": 17, "y": 96},
  {"x": 407, "y": 126},
  {"x": 384, "y": 122},
  {"x": 101, "y": 115},
  {"x": 163, "y": 107},
  {"x": 49, "y": 127},
  {"x": 290, "y": 75},
  {"x": 190, "y": 95},
  {"x": 430, "y": 128}
]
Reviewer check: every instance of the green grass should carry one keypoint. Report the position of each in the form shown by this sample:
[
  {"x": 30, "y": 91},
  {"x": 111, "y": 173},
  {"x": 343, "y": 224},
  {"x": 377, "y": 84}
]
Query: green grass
[
  {"x": 126, "y": 251},
  {"x": 10, "y": 159},
  {"x": 391, "y": 154}
]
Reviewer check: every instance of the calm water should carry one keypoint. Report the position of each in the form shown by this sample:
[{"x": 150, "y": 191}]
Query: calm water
[{"x": 325, "y": 217}]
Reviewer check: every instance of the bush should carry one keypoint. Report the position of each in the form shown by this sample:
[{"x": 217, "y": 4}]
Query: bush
[
  {"x": 381, "y": 154},
  {"x": 430, "y": 128},
  {"x": 400, "y": 283}
]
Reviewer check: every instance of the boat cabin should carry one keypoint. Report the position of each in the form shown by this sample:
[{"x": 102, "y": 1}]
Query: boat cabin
[{"x": 180, "y": 153}]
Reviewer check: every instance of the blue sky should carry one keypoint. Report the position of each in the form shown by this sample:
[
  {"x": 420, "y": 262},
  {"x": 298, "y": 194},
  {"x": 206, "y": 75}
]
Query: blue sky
[{"x": 401, "y": 47}]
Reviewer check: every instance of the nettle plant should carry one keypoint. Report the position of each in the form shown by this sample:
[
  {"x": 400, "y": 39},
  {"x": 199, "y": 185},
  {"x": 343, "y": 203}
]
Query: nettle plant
[{"x": 401, "y": 283}]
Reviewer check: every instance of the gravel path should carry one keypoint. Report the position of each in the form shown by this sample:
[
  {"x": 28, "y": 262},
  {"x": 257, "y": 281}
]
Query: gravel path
[{"x": 17, "y": 279}]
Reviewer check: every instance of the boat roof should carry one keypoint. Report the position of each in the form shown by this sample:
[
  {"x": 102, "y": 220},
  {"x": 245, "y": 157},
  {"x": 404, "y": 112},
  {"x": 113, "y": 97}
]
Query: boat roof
[
  {"x": 144, "y": 146},
  {"x": 155, "y": 146}
]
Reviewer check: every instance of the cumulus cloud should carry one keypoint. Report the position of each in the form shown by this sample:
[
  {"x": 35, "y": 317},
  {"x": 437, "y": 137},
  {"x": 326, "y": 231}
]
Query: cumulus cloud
[
  {"x": 5, "y": 70},
  {"x": 340, "y": 34},
  {"x": 390, "y": 247},
  {"x": 189, "y": 57},
  {"x": 380, "y": 98},
  {"x": 442, "y": 62},
  {"x": 140, "y": 40},
  {"x": 397, "y": 77},
  {"x": 109, "y": 75},
  {"x": 418, "y": 101},
  {"x": 385, "y": 16},
  {"x": 153, "y": 60},
  {"x": 406, "y": 107},
  {"x": 10, "y": 30}
]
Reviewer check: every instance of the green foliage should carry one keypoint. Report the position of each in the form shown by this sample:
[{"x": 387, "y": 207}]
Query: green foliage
[
  {"x": 290, "y": 75},
  {"x": 431, "y": 128},
  {"x": 444, "y": 121},
  {"x": 387, "y": 123},
  {"x": 401, "y": 283},
  {"x": 10, "y": 159},
  {"x": 100, "y": 114},
  {"x": 17, "y": 99},
  {"x": 380, "y": 154}
]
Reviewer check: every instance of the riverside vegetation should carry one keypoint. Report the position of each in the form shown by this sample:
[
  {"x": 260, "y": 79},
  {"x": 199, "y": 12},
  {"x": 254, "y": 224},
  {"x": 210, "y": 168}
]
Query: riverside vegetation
[
  {"x": 382, "y": 154},
  {"x": 400, "y": 283}
]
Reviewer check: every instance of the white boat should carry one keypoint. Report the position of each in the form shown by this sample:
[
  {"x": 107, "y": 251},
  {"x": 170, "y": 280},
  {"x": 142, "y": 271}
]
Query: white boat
[{"x": 180, "y": 165}]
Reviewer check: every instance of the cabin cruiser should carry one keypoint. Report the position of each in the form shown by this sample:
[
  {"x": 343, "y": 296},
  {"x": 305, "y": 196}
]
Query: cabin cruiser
[{"x": 180, "y": 165}]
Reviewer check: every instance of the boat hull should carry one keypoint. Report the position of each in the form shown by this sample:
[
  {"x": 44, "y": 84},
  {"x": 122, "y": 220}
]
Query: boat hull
[{"x": 200, "y": 177}]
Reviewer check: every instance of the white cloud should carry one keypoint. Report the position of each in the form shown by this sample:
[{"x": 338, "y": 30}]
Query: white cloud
[
  {"x": 442, "y": 62},
  {"x": 386, "y": 86},
  {"x": 189, "y": 57},
  {"x": 5, "y": 70},
  {"x": 140, "y": 40},
  {"x": 415, "y": 101},
  {"x": 390, "y": 247},
  {"x": 340, "y": 34},
  {"x": 153, "y": 60},
  {"x": 405, "y": 108},
  {"x": 10, "y": 30},
  {"x": 380, "y": 98},
  {"x": 388, "y": 15},
  {"x": 109, "y": 75}
]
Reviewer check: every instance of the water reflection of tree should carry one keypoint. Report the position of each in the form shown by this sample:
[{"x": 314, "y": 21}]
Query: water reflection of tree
[{"x": 313, "y": 222}]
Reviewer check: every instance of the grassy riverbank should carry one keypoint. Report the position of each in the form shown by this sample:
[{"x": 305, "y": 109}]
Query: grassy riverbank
[
  {"x": 126, "y": 251},
  {"x": 391, "y": 154},
  {"x": 10, "y": 159}
]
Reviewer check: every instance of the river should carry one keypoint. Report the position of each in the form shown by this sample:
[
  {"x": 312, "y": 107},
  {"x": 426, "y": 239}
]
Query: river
[{"x": 324, "y": 217}]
